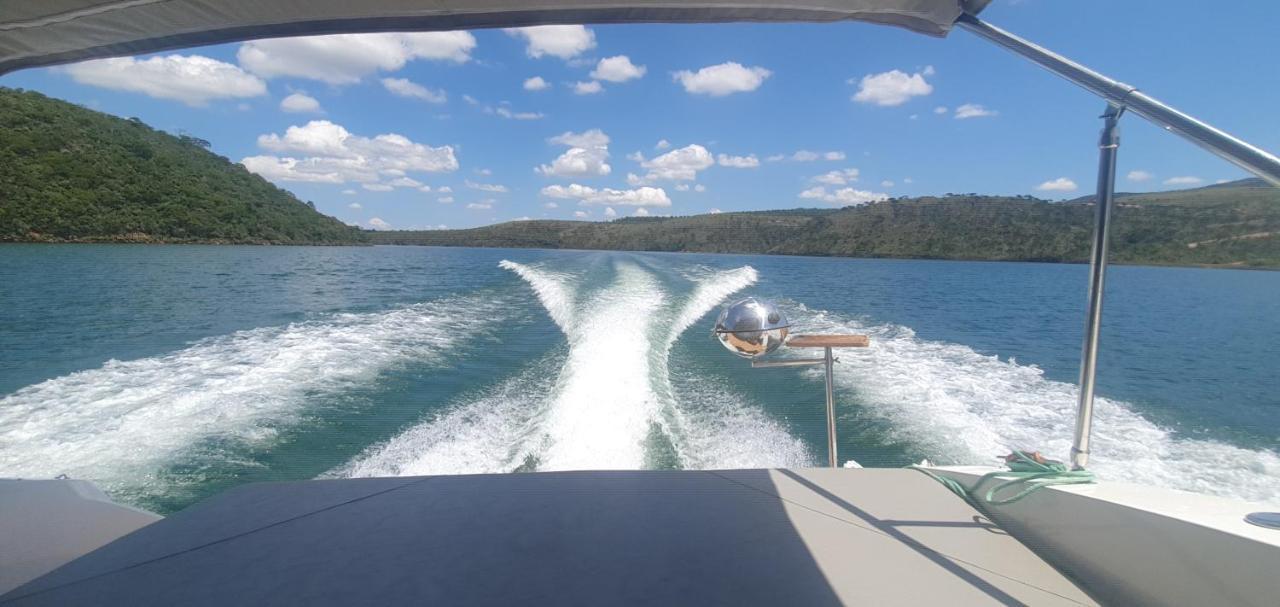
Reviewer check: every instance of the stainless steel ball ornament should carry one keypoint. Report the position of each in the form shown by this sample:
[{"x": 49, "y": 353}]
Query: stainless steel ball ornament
[{"x": 751, "y": 327}]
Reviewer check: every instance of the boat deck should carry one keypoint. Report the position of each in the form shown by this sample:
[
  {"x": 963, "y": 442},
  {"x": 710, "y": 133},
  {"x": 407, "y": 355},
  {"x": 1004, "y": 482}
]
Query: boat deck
[{"x": 795, "y": 537}]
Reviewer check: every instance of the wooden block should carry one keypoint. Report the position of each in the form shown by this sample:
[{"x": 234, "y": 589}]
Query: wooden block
[{"x": 828, "y": 341}]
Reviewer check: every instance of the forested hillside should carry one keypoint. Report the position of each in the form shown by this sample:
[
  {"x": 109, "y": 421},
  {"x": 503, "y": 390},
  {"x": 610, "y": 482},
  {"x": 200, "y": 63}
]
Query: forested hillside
[
  {"x": 69, "y": 174},
  {"x": 1231, "y": 224}
]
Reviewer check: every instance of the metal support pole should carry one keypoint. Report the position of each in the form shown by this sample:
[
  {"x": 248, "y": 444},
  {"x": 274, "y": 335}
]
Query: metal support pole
[
  {"x": 1107, "y": 146},
  {"x": 829, "y": 362},
  {"x": 1243, "y": 154}
]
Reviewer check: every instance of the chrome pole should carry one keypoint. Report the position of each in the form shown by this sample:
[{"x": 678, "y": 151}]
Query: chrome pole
[
  {"x": 1239, "y": 152},
  {"x": 1107, "y": 146},
  {"x": 828, "y": 361}
]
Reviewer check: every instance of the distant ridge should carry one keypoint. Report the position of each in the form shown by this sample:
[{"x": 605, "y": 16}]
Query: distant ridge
[
  {"x": 70, "y": 174},
  {"x": 1232, "y": 224}
]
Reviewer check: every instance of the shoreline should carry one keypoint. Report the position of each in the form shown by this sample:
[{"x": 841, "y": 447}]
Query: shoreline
[{"x": 218, "y": 242}]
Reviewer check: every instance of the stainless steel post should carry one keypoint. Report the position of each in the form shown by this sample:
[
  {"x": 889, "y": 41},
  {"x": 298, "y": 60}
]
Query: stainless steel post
[
  {"x": 1243, "y": 154},
  {"x": 1107, "y": 146},
  {"x": 829, "y": 362}
]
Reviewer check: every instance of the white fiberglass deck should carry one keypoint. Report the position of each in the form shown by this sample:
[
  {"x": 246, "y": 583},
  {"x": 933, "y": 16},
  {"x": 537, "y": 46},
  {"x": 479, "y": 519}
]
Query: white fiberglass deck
[{"x": 795, "y": 537}]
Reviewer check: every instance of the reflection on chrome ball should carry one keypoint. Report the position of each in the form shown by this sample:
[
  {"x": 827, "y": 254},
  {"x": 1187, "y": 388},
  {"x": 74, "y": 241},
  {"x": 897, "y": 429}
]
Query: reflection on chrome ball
[{"x": 751, "y": 327}]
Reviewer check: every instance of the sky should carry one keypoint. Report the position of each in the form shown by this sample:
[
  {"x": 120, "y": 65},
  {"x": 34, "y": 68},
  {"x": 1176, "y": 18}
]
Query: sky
[{"x": 461, "y": 129}]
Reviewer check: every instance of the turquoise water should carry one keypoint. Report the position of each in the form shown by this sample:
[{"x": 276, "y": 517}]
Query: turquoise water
[{"x": 167, "y": 373}]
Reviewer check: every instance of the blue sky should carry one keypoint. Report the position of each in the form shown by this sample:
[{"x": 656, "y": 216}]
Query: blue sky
[{"x": 437, "y": 130}]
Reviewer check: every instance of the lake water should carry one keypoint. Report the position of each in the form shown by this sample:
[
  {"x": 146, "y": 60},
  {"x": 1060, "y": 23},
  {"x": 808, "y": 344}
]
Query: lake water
[{"x": 168, "y": 373}]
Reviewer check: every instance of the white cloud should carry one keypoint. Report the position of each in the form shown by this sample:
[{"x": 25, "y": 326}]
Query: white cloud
[
  {"x": 1061, "y": 184},
  {"x": 581, "y": 214},
  {"x": 699, "y": 188},
  {"x": 470, "y": 100},
  {"x": 536, "y": 83},
  {"x": 807, "y": 156},
  {"x": 407, "y": 182},
  {"x": 346, "y": 58},
  {"x": 585, "y": 157},
  {"x": 738, "y": 162},
  {"x": 507, "y": 113},
  {"x": 378, "y": 224},
  {"x": 641, "y": 212},
  {"x": 662, "y": 144},
  {"x": 833, "y": 156},
  {"x": 300, "y": 103},
  {"x": 715, "y": 211},
  {"x": 479, "y": 206},
  {"x": 486, "y": 187},
  {"x": 484, "y": 172},
  {"x": 840, "y": 177},
  {"x": 349, "y": 192},
  {"x": 402, "y": 87},
  {"x": 355, "y": 206},
  {"x": 274, "y": 168},
  {"x": 908, "y": 180},
  {"x": 844, "y": 196},
  {"x": 886, "y": 184},
  {"x": 973, "y": 110},
  {"x": 677, "y": 165},
  {"x": 723, "y": 79},
  {"x": 942, "y": 109},
  {"x": 892, "y": 88},
  {"x": 1186, "y": 180},
  {"x": 617, "y": 69},
  {"x": 328, "y": 153},
  {"x": 426, "y": 189},
  {"x": 192, "y": 79},
  {"x": 445, "y": 190},
  {"x": 550, "y": 205},
  {"x": 610, "y": 213},
  {"x": 377, "y": 187},
  {"x": 640, "y": 197},
  {"x": 589, "y": 87},
  {"x": 680, "y": 187},
  {"x": 1139, "y": 176},
  {"x": 563, "y": 41},
  {"x": 445, "y": 200}
]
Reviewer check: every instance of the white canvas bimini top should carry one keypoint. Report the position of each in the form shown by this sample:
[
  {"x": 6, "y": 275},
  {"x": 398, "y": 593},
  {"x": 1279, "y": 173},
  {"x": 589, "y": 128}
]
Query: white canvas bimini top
[{"x": 50, "y": 32}]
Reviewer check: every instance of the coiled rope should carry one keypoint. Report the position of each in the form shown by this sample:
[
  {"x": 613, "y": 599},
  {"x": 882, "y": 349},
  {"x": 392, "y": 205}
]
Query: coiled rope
[{"x": 1028, "y": 470}]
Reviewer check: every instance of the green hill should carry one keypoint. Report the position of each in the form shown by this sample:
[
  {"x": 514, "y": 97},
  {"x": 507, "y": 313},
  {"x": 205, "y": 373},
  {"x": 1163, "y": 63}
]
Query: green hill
[
  {"x": 1234, "y": 224},
  {"x": 69, "y": 174}
]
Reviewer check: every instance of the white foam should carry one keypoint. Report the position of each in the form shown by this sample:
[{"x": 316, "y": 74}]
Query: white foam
[
  {"x": 605, "y": 404},
  {"x": 594, "y": 406},
  {"x": 959, "y": 406},
  {"x": 712, "y": 426},
  {"x": 121, "y": 423},
  {"x": 721, "y": 429},
  {"x": 554, "y": 289},
  {"x": 497, "y": 432},
  {"x": 711, "y": 289}
]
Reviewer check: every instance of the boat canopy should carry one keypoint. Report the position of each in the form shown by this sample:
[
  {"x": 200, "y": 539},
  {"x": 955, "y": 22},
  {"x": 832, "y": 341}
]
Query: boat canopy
[{"x": 64, "y": 31}]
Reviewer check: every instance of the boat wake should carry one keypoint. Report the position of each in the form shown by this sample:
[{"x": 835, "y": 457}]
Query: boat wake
[
  {"x": 120, "y": 425},
  {"x": 604, "y": 403},
  {"x": 957, "y": 406},
  {"x": 607, "y": 397}
]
